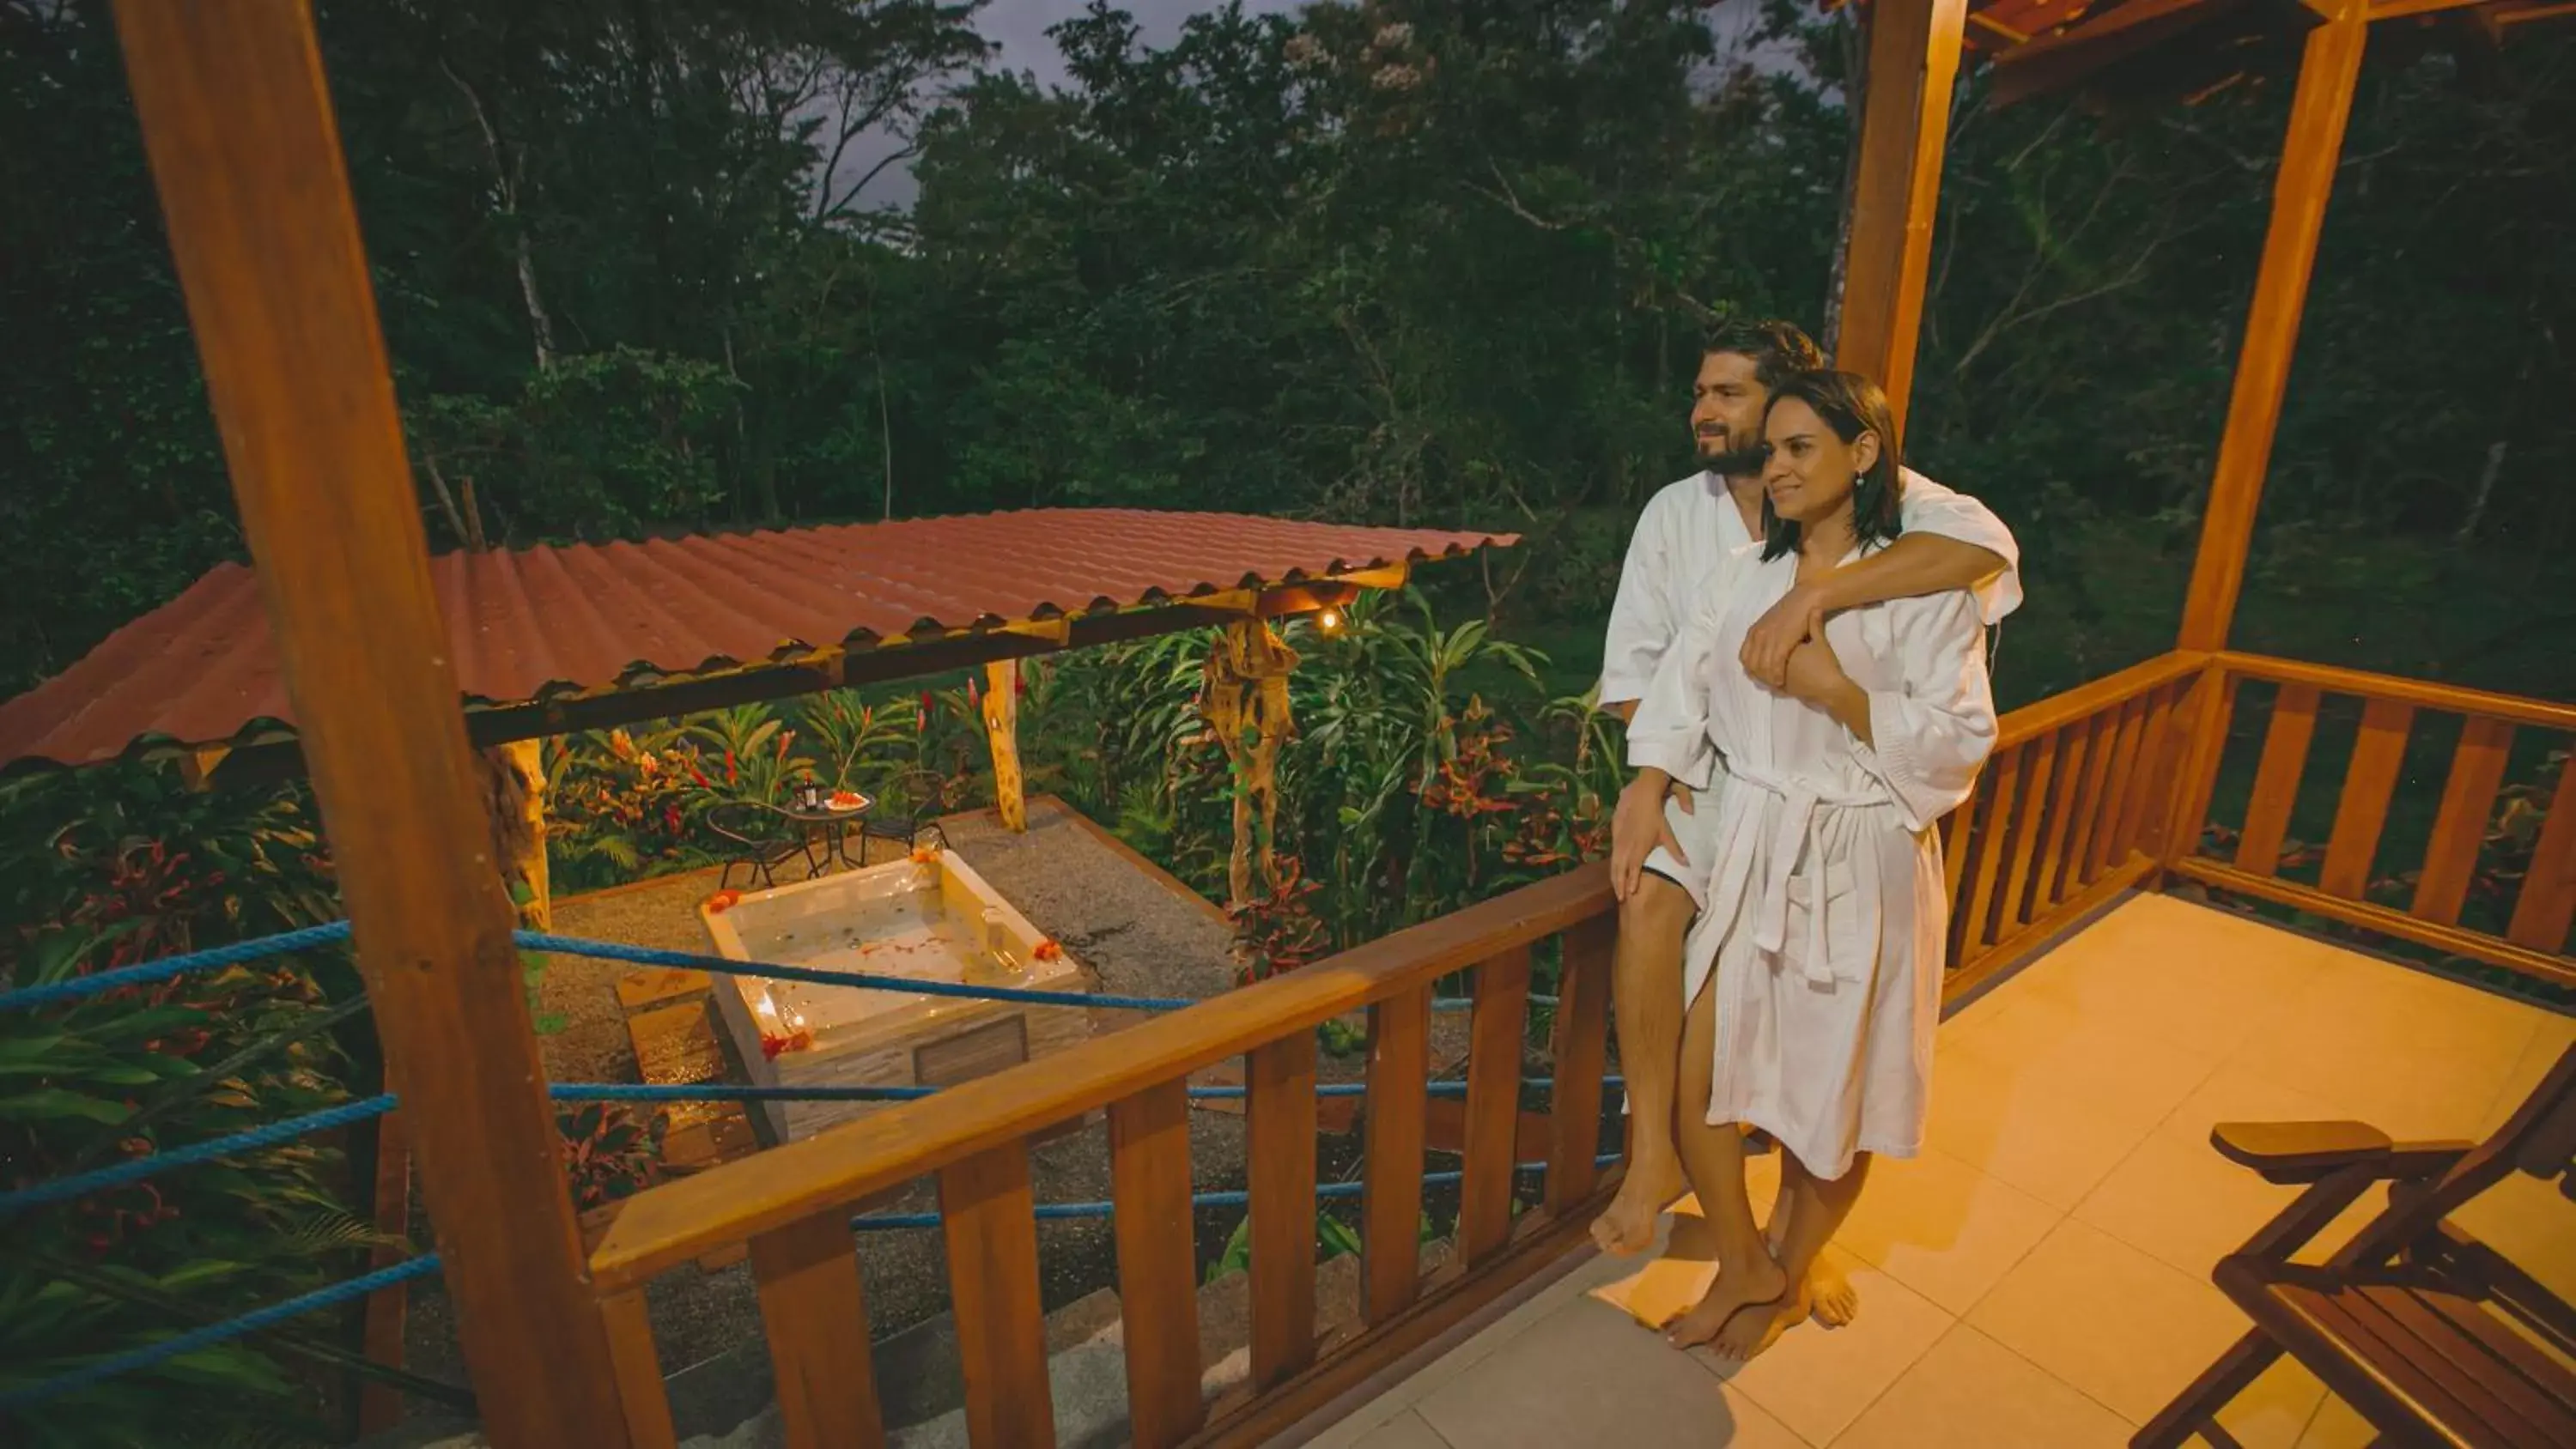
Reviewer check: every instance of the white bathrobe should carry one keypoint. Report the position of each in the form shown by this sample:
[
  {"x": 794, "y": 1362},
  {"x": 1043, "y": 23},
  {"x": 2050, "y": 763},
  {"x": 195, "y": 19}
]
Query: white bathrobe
[{"x": 1823, "y": 913}]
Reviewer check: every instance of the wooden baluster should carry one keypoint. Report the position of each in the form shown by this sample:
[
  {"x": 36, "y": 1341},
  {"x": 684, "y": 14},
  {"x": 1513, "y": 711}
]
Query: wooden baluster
[
  {"x": 1982, "y": 885},
  {"x": 2017, "y": 908},
  {"x": 1582, "y": 1049},
  {"x": 2468, "y": 804},
  {"x": 2548, "y": 900},
  {"x": 2203, "y": 718},
  {"x": 2122, "y": 783},
  {"x": 1496, "y": 1031},
  {"x": 2105, "y": 732},
  {"x": 381, "y": 1406},
  {"x": 1281, "y": 1145},
  {"x": 1149, "y": 1170},
  {"x": 1958, "y": 828},
  {"x": 2362, "y": 813},
  {"x": 2154, "y": 784},
  {"x": 2276, "y": 779},
  {"x": 1399, "y": 1070},
  {"x": 990, "y": 1216},
  {"x": 639, "y": 1371},
  {"x": 816, "y": 1320},
  {"x": 2061, "y": 814}
]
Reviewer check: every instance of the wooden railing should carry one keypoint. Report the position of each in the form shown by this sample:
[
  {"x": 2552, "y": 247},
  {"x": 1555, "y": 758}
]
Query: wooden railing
[
  {"x": 2495, "y": 733},
  {"x": 2089, "y": 793},
  {"x": 2067, "y": 814},
  {"x": 792, "y": 1205}
]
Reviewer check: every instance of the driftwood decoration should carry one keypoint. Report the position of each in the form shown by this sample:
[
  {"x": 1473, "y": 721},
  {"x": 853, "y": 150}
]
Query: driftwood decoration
[
  {"x": 514, "y": 802},
  {"x": 1246, "y": 695},
  {"x": 1001, "y": 710}
]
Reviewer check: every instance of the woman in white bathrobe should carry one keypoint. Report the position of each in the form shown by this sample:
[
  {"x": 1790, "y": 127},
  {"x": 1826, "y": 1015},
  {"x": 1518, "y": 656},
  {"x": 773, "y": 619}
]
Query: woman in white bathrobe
[{"x": 1813, "y": 970}]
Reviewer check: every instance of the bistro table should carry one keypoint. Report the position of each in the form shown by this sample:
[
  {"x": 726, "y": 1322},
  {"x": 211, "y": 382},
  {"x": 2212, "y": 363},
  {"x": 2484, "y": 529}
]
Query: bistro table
[{"x": 832, "y": 823}]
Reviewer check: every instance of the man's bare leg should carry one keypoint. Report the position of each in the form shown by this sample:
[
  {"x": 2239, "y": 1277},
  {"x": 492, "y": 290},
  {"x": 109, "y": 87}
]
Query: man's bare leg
[
  {"x": 1821, "y": 1206},
  {"x": 1747, "y": 1278},
  {"x": 1837, "y": 1302},
  {"x": 1646, "y": 996}
]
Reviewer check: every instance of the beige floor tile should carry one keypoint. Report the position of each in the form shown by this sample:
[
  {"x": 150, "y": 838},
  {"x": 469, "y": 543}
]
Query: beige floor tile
[
  {"x": 2053, "y": 1140},
  {"x": 2549, "y": 1041},
  {"x": 1818, "y": 1379},
  {"x": 2275, "y": 1409},
  {"x": 1587, "y": 1375},
  {"x": 2234, "y": 982},
  {"x": 1969, "y": 1392},
  {"x": 1942, "y": 1228},
  {"x": 2415, "y": 1056},
  {"x": 2108, "y": 1319},
  {"x": 2526, "y": 1220},
  {"x": 2239, "y": 1094},
  {"x": 2182, "y": 1204},
  {"x": 2336, "y": 1426},
  {"x": 1405, "y": 1431}
]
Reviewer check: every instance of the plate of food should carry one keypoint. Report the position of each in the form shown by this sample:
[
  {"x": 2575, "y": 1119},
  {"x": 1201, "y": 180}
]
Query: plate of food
[{"x": 844, "y": 801}]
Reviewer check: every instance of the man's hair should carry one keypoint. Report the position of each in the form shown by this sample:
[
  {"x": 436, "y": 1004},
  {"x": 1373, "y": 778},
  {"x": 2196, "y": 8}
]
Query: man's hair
[
  {"x": 1778, "y": 349},
  {"x": 1851, "y": 405}
]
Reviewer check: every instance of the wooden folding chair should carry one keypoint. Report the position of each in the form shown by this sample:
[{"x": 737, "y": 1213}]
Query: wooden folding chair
[{"x": 2431, "y": 1335}]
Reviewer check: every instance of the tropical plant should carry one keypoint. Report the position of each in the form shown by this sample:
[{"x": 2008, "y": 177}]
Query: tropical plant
[{"x": 608, "y": 1154}]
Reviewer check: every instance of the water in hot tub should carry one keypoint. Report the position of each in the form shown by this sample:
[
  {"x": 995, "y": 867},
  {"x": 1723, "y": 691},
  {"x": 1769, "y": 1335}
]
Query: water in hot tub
[{"x": 905, "y": 934}]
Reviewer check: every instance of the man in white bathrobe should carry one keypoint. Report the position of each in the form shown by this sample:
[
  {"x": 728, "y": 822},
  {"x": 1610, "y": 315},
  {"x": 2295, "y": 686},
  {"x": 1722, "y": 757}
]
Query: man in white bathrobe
[{"x": 1950, "y": 541}]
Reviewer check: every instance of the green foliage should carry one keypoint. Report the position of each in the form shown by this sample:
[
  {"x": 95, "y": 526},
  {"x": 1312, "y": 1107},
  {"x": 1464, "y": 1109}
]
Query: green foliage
[{"x": 608, "y": 1154}]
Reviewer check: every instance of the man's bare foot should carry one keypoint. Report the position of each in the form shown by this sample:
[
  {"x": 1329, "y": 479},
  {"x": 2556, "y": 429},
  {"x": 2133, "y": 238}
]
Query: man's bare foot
[
  {"x": 1627, "y": 1226},
  {"x": 1758, "y": 1283},
  {"x": 1760, "y": 1325}
]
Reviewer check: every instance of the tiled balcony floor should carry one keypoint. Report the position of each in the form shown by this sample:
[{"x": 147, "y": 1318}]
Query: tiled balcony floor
[{"x": 2040, "y": 1276}]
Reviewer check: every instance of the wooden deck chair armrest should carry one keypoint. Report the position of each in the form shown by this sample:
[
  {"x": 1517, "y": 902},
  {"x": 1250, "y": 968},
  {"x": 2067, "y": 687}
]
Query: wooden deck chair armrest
[
  {"x": 2291, "y": 1153},
  {"x": 2334, "y": 1187}
]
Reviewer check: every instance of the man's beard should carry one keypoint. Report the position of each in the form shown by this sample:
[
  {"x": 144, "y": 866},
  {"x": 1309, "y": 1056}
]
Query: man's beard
[{"x": 1736, "y": 462}]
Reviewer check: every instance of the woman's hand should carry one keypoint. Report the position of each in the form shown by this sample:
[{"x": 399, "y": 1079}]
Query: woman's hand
[{"x": 1636, "y": 828}]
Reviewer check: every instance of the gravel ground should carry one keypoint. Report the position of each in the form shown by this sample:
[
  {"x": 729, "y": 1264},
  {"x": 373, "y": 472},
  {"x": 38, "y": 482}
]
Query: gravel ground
[{"x": 1138, "y": 931}]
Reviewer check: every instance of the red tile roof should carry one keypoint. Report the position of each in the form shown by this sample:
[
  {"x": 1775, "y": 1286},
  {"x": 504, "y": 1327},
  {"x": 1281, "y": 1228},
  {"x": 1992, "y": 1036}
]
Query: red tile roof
[{"x": 539, "y": 622}]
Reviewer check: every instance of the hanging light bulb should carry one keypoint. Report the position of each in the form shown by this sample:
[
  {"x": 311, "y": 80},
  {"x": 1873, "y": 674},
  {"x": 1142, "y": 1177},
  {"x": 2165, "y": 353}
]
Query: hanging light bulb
[{"x": 1329, "y": 622}]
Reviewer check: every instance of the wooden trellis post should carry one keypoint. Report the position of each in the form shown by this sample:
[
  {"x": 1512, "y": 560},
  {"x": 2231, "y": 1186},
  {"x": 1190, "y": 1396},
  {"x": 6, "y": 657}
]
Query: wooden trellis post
[{"x": 1246, "y": 694}]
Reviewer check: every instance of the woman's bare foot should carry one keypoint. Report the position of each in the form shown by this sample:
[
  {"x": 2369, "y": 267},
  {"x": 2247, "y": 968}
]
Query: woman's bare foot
[
  {"x": 1627, "y": 1226},
  {"x": 1760, "y": 1325},
  {"x": 1837, "y": 1301},
  {"x": 1757, "y": 1283}
]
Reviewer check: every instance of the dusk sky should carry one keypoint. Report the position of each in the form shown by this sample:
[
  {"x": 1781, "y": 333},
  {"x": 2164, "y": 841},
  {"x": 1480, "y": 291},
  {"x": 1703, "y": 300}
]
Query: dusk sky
[{"x": 1019, "y": 28}]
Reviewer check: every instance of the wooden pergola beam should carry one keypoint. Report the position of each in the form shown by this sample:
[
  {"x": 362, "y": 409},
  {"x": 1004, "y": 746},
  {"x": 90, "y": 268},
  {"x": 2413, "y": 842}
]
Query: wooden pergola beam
[
  {"x": 2329, "y": 68},
  {"x": 281, "y": 759},
  {"x": 2056, "y": 62},
  {"x": 1905, "y": 127},
  {"x": 245, "y": 154}
]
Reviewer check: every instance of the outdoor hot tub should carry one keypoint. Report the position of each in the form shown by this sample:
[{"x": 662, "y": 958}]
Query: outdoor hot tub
[{"x": 930, "y": 918}]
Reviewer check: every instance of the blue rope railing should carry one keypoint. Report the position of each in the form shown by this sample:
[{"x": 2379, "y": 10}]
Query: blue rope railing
[
  {"x": 214, "y": 1333},
  {"x": 82, "y": 1184},
  {"x": 77, "y": 1185},
  {"x": 335, "y": 933},
  {"x": 153, "y": 973}
]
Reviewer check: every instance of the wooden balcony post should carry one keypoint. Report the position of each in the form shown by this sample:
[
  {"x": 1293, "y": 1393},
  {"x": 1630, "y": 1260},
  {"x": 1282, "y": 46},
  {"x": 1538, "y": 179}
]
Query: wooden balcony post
[
  {"x": 246, "y": 157},
  {"x": 1905, "y": 126},
  {"x": 2328, "y": 70}
]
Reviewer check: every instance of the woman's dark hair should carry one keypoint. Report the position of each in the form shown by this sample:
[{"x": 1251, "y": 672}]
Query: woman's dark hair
[
  {"x": 1851, "y": 405},
  {"x": 1778, "y": 349}
]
